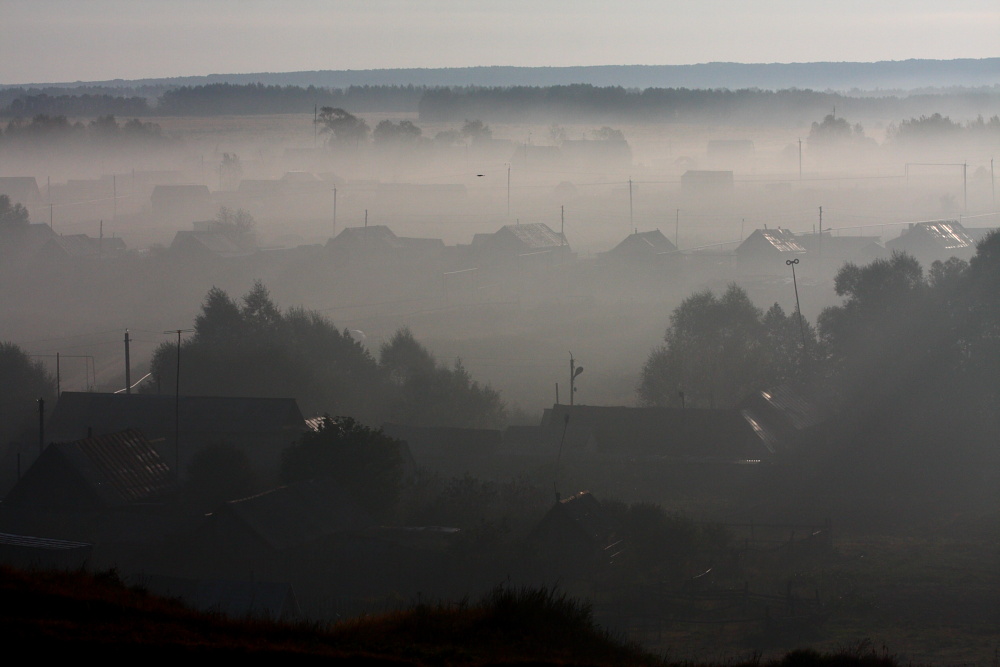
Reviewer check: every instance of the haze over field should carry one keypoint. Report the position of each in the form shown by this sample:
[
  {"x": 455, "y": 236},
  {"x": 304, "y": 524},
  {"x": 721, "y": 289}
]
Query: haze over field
[{"x": 331, "y": 321}]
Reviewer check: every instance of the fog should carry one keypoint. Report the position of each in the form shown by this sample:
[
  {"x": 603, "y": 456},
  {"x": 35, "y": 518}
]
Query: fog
[{"x": 395, "y": 229}]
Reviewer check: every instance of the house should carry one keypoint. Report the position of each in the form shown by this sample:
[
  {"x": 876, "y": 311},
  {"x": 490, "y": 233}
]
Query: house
[
  {"x": 643, "y": 247},
  {"x": 667, "y": 435},
  {"x": 260, "y": 427},
  {"x": 211, "y": 245},
  {"x": 106, "y": 471},
  {"x": 789, "y": 416},
  {"x": 181, "y": 203},
  {"x": 22, "y": 243},
  {"x": 21, "y": 189},
  {"x": 68, "y": 247},
  {"x": 577, "y": 532},
  {"x": 379, "y": 243},
  {"x": 932, "y": 241},
  {"x": 525, "y": 244},
  {"x": 766, "y": 250},
  {"x": 831, "y": 252},
  {"x": 257, "y": 534}
]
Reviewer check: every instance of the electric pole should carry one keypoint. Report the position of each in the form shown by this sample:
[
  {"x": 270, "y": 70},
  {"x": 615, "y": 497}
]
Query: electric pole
[
  {"x": 630, "y": 221},
  {"x": 128, "y": 366},
  {"x": 177, "y": 402}
]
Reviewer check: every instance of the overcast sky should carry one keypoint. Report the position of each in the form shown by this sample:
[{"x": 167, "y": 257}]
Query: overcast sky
[{"x": 70, "y": 40}]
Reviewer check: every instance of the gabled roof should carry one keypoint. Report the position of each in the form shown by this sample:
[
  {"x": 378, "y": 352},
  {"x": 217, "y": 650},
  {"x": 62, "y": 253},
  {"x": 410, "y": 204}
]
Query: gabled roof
[
  {"x": 111, "y": 470},
  {"x": 643, "y": 244},
  {"x": 81, "y": 245},
  {"x": 532, "y": 236},
  {"x": 947, "y": 235},
  {"x": 222, "y": 244},
  {"x": 839, "y": 246},
  {"x": 578, "y": 518},
  {"x": 75, "y": 412},
  {"x": 771, "y": 240},
  {"x": 372, "y": 236},
  {"x": 298, "y": 514}
]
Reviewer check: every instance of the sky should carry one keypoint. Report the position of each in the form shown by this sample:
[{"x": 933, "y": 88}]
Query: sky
[{"x": 86, "y": 40}]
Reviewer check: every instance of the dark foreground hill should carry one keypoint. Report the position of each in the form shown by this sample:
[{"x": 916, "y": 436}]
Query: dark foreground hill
[{"x": 80, "y": 616}]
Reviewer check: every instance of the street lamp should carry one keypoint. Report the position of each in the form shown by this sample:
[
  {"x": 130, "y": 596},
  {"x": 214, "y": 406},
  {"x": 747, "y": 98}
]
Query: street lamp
[
  {"x": 798, "y": 309},
  {"x": 574, "y": 371}
]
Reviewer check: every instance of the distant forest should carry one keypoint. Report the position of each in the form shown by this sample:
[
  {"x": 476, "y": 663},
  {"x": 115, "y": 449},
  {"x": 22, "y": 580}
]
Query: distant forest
[{"x": 562, "y": 103}]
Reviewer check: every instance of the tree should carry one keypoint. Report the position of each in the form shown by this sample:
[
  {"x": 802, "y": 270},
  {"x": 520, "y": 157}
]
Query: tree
[
  {"x": 833, "y": 131},
  {"x": 476, "y": 131},
  {"x": 609, "y": 134},
  {"x": 343, "y": 127},
  {"x": 238, "y": 223},
  {"x": 250, "y": 348},
  {"x": 22, "y": 383},
  {"x": 404, "y": 132},
  {"x": 717, "y": 350},
  {"x": 12, "y": 215},
  {"x": 364, "y": 461},
  {"x": 428, "y": 394}
]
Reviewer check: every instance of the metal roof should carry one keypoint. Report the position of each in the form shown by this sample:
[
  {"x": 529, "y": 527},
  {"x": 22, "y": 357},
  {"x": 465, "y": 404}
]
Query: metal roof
[
  {"x": 534, "y": 236},
  {"x": 782, "y": 239}
]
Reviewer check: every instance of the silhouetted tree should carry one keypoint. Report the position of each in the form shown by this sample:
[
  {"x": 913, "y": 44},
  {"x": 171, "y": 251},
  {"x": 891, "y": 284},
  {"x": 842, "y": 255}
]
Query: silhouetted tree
[
  {"x": 12, "y": 215},
  {"x": 343, "y": 127},
  {"x": 22, "y": 383},
  {"x": 427, "y": 394},
  {"x": 717, "y": 350},
  {"x": 364, "y": 461}
]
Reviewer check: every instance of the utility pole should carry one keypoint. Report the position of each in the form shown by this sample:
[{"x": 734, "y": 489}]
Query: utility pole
[
  {"x": 677, "y": 228},
  {"x": 631, "y": 223},
  {"x": 114, "y": 197},
  {"x": 334, "y": 210},
  {"x": 41, "y": 425},
  {"x": 177, "y": 402},
  {"x": 820, "y": 244},
  {"x": 508, "y": 191},
  {"x": 965, "y": 187},
  {"x": 58, "y": 378},
  {"x": 800, "y": 158},
  {"x": 128, "y": 366}
]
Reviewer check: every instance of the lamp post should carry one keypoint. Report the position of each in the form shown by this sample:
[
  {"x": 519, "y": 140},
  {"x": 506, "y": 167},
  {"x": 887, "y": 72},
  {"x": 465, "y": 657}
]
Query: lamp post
[
  {"x": 798, "y": 309},
  {"x": 574, "y": 371}
]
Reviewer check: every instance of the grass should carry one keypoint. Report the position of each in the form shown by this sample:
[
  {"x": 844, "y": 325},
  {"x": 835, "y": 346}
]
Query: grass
[{"x": 80, "y": 616}]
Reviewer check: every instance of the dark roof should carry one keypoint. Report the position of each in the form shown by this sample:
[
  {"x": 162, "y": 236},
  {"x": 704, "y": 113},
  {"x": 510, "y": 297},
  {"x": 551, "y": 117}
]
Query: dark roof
[
  {"x": 222, "y": 244},
  {"x": 672, "y": 433},
  {"x": 578, "y": 518},
  {"x": 75, "y": 412},
  {"x": 115, "y": 470},
  {"x": 298, "y": 514},
  {"x": 839, "y": 246},
  {"x": 781, "y": 414},
  {"x": 643, "y": 244},
  {"x": 529, "y": 236},
  {"x": 372, "y": 236}
]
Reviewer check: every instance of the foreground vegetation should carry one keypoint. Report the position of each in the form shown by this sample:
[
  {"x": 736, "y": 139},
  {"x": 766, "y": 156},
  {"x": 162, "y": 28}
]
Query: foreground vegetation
[{"x": 73, "y": 613}]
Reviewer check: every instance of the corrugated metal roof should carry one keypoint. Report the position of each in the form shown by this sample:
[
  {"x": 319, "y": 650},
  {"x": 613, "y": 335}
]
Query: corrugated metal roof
[
  {"x": 782, "y": 239},
  {"x": 27, "y": 541},
  {"x": 123, "y": 467},
  {"x": 948, "y": 234},
  {"x": 535, "y": 236}
]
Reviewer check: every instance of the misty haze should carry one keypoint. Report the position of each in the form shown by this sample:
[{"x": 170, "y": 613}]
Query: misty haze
[{"x": 704, "y": 358}]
